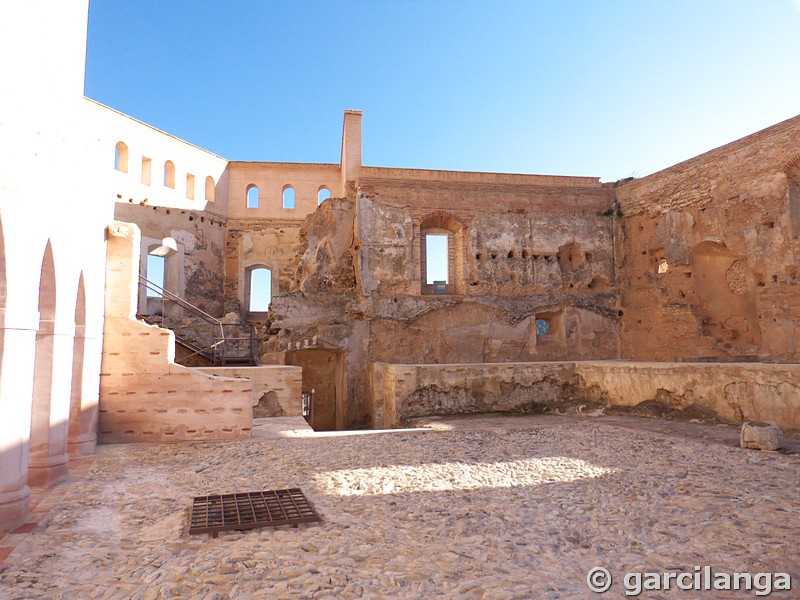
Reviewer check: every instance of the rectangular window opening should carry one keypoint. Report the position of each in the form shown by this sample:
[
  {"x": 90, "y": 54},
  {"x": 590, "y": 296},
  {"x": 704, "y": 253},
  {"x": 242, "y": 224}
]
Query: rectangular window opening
[
  {"x": 189, "y": 186},
  {"x": 542, "y": 327},
  {"x": 260, "y": 290},
  {"x": 156, "y": 266},
  {"x": 436, "y": 259},
  {"x": 147, "y": 168}
]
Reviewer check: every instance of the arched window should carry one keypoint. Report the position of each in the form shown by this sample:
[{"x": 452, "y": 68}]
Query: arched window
[
  {"x": 189, "y": 186},
  {"x": 121, "y": 157},
  {"x": 258, "y": 292},
  {"x": 252, "y": 196},
  {"x": 210, "y": 189},
  {"x": 323, "y": 194},
  {"x": 441, "y": 240},
  {"x": 169, "y": 174},
  {"x": 288, "y": 197}
]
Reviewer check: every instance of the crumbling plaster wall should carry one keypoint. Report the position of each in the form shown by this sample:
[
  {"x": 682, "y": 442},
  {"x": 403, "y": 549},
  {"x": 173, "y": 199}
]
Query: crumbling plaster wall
[
  {"x": 270, "y": 235},
  {"x": 192, "y": 207},
  {"x": 521, "y": 234},
  {"x": 719, "y": 226},
  {"x": 358, "y": 284},
  {"x": 274, "y": 244},
  {"x": 140, "y": 177}
]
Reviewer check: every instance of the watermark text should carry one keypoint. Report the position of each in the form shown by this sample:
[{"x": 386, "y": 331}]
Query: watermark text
[{"x": 705, "y": 578}]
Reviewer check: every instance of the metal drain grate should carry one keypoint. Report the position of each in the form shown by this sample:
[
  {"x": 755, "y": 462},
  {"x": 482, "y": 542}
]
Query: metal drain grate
[{"x": 249, "y": 510}]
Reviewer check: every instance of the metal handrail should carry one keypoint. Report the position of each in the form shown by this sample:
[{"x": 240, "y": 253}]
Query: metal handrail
[
  {"x": 182, "y": 303},
  {"x": 216, "y": 351}
]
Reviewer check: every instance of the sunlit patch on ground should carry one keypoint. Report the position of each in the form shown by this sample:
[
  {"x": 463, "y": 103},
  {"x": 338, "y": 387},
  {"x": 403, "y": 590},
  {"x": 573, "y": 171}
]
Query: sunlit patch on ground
[{"x": 458, "y": 476}]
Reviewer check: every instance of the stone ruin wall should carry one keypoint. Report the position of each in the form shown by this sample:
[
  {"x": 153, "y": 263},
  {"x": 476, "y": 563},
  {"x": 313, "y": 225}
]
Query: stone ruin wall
[
  {"x": 547, "y": 253},
  {"x": 584, "y": 255},
  {"x": 274, "y": 244},
  {"x": 720, "y": 226}
]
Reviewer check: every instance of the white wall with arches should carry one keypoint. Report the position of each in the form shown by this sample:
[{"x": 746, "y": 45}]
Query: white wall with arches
[
  {"x": 160, "y": 169},
  {"x": 54, "y": 209}
]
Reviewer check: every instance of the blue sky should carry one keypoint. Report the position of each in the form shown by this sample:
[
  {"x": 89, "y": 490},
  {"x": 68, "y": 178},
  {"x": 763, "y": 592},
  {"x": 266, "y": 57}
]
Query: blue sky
[{"x": 605, "y": 88}]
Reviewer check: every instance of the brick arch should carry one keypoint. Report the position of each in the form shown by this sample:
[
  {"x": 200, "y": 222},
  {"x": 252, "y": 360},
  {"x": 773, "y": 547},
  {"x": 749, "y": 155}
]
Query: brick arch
[
  {"x": 442, "y": 220},
  {"x": 793, "y": 164}
]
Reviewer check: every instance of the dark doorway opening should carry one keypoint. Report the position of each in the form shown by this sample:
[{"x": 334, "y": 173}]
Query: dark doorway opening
[{"x": 323, "y": 379}]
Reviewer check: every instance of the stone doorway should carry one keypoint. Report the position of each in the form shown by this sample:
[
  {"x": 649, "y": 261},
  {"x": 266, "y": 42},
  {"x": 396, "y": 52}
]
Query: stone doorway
[{"x": 323, "y": 372}]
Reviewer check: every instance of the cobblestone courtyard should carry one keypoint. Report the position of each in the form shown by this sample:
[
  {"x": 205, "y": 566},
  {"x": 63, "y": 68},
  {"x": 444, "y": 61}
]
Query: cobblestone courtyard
[{"x": 453, "y": 512}]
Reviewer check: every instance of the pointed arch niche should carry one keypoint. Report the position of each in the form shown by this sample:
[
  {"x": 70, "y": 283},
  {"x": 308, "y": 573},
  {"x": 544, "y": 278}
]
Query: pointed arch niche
[
  {"x": 14, "y": 492},
  {"x": 47, "y": 448},
  {"x": 82, "y": 404}
]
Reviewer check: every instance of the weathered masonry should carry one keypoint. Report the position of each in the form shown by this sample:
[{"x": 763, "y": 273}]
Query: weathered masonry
[
  {"x": 691, "y": 264},
  {"x": 188, "y": 293}
]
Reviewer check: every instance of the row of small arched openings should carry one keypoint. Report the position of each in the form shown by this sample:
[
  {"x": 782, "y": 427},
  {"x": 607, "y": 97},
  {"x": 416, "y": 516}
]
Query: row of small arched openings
[
  {"x": 287, "y": 196},
  {"x": 121, "y": 159}
]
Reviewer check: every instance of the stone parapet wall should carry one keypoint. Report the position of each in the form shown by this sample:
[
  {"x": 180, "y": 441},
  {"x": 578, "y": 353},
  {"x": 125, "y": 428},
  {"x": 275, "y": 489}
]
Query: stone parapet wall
[
  {"x": 732, "y": 392},
  {"x": 735, "y": 392},
  {"x": 400, "y": 392}
]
